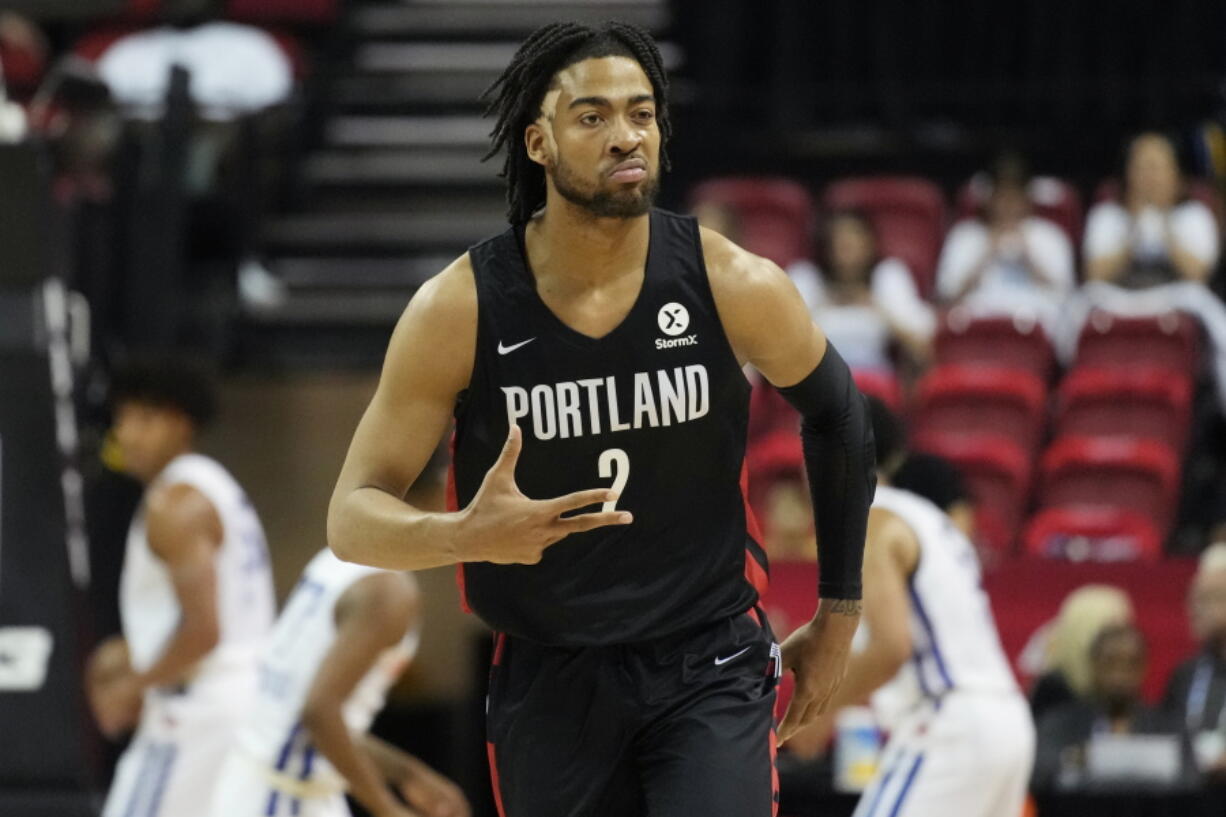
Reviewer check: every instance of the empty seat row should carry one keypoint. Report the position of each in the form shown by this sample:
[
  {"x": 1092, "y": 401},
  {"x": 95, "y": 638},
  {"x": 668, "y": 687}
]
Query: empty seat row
[{"x": 1108, "y": 484}]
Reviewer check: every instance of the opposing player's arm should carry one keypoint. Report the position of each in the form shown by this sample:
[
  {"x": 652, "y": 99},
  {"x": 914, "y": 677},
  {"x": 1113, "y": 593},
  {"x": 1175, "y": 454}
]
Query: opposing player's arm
[
  {"x": 429, "y": 362},
  {"x": 372, "y": 615},
  {"x": 425, "y": 789},
  {"x": 185, "y": 532},
  {"x": 109, "y": 666},
  {"x": 889, "y": 557}
]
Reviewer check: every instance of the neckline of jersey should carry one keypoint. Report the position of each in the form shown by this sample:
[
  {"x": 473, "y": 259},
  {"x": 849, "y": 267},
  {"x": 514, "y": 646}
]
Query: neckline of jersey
[{"x": 526, "y": 276}]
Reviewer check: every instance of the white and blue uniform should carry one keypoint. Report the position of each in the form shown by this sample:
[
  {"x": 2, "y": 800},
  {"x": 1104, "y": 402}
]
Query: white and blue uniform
[
  {"x": 172, "y": 763},
  {"x": 274, "y": 769},
  {"x": 961, "y": 736}
]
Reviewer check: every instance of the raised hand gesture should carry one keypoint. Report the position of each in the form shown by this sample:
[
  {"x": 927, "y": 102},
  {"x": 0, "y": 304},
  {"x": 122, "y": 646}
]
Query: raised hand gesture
[{"x": 503, "y": 526}]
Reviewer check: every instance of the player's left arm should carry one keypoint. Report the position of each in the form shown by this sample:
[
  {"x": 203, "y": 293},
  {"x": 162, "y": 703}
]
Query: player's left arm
[
  {"x": 184, "y": 532},
  {"x": 769, "y": 326}
]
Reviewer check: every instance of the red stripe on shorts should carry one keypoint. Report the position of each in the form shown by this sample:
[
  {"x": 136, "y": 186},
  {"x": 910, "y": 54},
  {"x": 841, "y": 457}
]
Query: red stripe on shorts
[{"x": 489, "y": 748}]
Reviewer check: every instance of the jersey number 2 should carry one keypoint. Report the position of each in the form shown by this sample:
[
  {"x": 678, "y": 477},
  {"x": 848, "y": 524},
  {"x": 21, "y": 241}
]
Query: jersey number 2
[{"x": 615, "y": 463}]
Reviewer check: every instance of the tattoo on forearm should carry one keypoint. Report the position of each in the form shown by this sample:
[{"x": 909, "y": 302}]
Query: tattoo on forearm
[{"x": 846, "y": 607}]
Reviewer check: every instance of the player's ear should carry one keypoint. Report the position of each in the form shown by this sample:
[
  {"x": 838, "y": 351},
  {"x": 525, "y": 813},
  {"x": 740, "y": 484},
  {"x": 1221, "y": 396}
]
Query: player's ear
[{"x": 537, "y": 143}]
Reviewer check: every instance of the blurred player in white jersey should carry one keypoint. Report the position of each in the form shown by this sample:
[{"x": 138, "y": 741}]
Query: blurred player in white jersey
[
  {"x": 196, "y": 601},
  {"x": 344, "y": 637},
  {"x": 961, "y": 736}
]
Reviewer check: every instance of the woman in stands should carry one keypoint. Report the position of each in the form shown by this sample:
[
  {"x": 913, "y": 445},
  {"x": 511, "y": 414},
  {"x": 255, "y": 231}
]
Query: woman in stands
[
  {"x": 866, "y": 303},
  {"x": 1059, "y": 654},
  {"x": 1156, "y": 235},
  {"x": 1008, "y": 261},
  {"x": 1152, "y": 254}
]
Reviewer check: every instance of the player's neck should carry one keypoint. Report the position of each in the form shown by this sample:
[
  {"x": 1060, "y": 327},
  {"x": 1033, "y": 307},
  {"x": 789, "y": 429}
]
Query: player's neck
[{"x": 568, "y": 242}]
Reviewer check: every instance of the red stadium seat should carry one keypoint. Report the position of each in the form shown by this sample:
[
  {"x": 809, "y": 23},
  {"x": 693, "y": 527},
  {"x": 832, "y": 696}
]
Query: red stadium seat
[
  {"x": 998, "y": 471},
  {"x": 1112, "y": 472},
  {"x": 24, "y": 65},
  {"x": 970, "y": 400},
  {"x": 769, "y": 412},
  {"x": 773, "y": 456},
  {"x": 1142, "y": 403},
  {"x": 1091, "y": 533},
  {"x": 908, "y": 214},
  {"x": 1009, "y": 342},
  {"x": 94, "y": 44},
  {"x": 1170, "y": 341},
  {"x": 882, "y": 385},
  {"x": 1051, "y": 198},
  {"x": 775, "y": 216}
]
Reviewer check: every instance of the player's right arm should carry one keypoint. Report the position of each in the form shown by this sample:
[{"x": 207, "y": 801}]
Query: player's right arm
[{"x": 429, "y": 362}]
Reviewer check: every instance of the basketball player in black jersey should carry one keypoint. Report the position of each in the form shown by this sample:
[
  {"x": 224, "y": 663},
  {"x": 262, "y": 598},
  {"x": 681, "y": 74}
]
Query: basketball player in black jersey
[{"x": 591, "y": 356}]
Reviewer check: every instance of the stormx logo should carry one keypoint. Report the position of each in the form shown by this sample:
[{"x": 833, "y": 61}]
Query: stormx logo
[
  {"x": 674, "y": 319},
  {"x": 688, "y": 340}
]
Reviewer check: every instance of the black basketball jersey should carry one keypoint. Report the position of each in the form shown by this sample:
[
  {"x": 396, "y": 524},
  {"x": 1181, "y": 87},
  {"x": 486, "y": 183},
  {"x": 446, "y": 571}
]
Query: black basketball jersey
[{"x": 656, "y": 409}]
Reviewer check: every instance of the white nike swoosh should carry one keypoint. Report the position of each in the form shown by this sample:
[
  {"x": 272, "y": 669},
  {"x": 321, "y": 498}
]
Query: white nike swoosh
[
  {"x": 721, "y": 661},
  {"x": 506, "y": 350}
]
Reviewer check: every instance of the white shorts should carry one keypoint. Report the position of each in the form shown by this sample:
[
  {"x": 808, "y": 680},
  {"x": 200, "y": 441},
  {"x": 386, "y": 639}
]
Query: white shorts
[
  {"x": 971, "y": 756},
  {"x": 172, "y": 764},
  {"x": 244, "y": 791},
  {"x": 170, "y": 767}
]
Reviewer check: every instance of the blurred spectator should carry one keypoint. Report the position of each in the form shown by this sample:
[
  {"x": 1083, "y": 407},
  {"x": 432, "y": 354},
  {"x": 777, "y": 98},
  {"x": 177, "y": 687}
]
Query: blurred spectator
[
  {"x": 1155, "y": 235},
  {"x": 940, "y": 482},
  {"x": 1113, "y": 707},
  {"x": 1196, "y": 692},
  {"x": 1150, "y": 255},
  {"x": 863, "y": 302},
  {"x": 1008, "y": 261},
  {"x": 253, "y": 74},
  {"x": 1064, "y": 672}
]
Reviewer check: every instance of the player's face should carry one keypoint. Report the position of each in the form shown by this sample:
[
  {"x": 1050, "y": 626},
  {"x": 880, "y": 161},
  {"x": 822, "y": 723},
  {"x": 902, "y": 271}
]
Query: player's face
[
  {"x": 598, "y": 137},
  {"x": 149, "y": 437}
]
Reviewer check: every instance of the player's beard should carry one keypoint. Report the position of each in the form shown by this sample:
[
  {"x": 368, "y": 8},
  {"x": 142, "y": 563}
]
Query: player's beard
[{"x": 628, "y": 202}]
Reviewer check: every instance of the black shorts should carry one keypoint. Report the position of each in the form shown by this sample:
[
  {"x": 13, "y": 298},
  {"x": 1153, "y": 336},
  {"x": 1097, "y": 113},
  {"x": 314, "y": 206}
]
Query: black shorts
[{"x": 675, "y": 727}]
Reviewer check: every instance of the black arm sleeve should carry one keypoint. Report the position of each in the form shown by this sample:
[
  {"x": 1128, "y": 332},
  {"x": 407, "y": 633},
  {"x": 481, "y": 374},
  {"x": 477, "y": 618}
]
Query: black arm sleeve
[{"x": 841, "y": 464}]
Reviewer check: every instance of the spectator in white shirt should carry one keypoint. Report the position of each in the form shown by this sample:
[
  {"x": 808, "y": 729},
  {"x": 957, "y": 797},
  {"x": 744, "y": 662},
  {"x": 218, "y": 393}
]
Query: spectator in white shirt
[
  {"x": 863, "y": 302},
  {"x": 1151, "y": 255},
  {"x": 1154, "y": 236},
  {"x": 1008, "y": 261}
]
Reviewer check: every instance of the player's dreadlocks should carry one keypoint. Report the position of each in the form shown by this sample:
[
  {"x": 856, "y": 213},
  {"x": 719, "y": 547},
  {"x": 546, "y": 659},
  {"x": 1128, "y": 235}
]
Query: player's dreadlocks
[{"x": 516, "y": 96}]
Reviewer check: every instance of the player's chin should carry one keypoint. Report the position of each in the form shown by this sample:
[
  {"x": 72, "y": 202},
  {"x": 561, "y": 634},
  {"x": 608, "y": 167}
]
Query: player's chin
[{"x": 632, "y": 198}]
